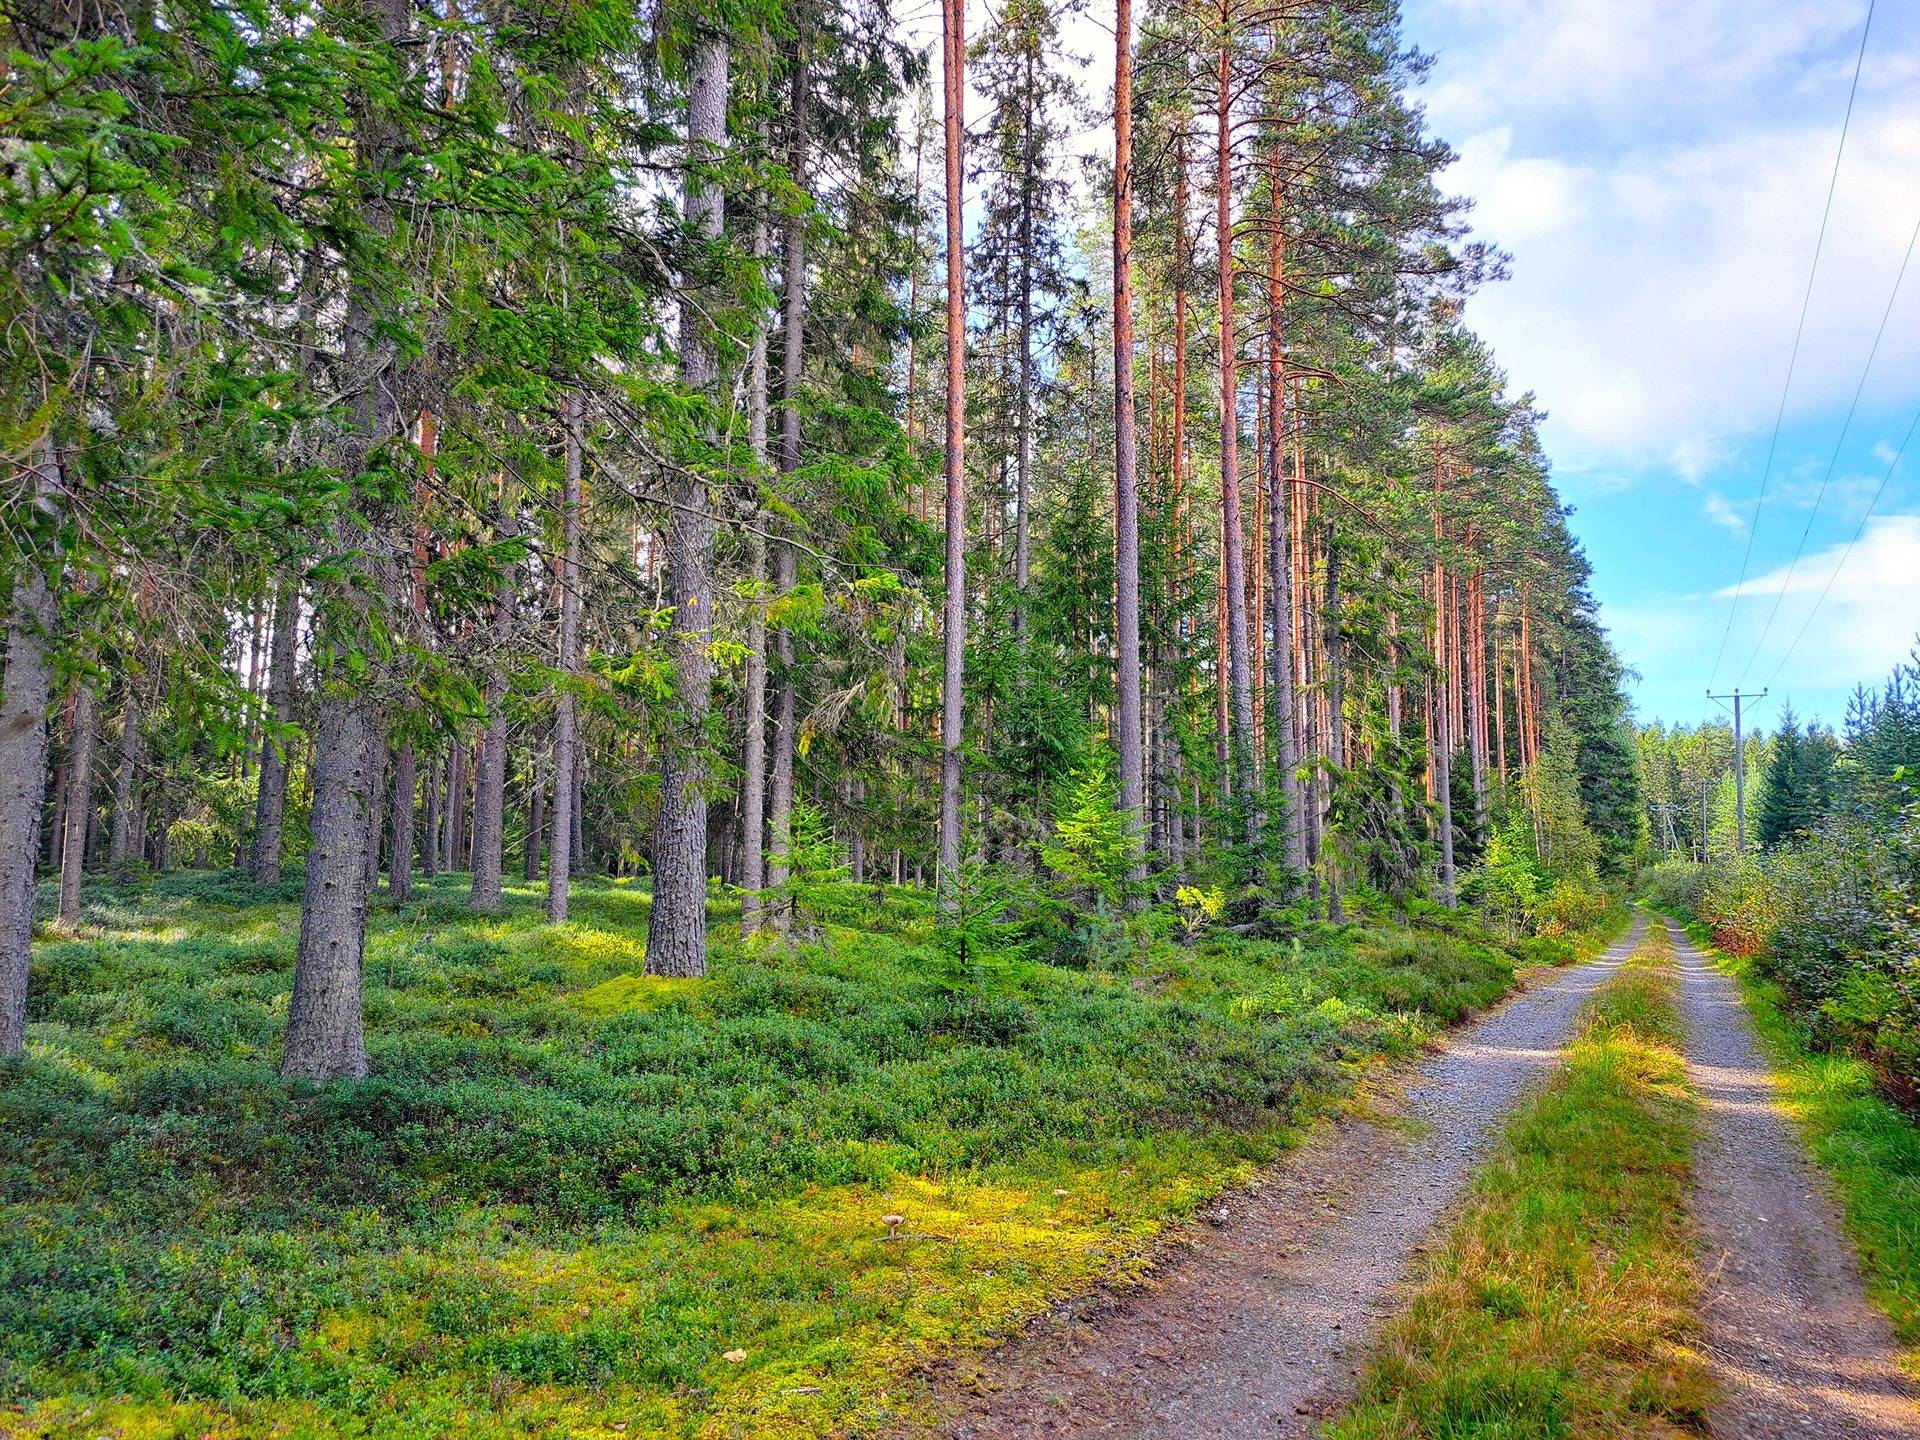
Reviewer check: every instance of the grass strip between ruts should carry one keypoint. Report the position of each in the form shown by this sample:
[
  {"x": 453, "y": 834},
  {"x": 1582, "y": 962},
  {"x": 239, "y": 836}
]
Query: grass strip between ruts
[{"x": 1561, "y": 1302}]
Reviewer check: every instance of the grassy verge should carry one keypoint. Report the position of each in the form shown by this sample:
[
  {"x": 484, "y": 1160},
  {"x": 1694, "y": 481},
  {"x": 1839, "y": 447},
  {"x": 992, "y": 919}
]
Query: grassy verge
[
  {"x": 1560, "y": 1303},
  {"x": 1869, "y": 1147},
  {"x": 576, "y": 1200}
]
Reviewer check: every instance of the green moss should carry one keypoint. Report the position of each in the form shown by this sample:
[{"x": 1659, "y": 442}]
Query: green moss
[{"x": 569, "y": 1190}]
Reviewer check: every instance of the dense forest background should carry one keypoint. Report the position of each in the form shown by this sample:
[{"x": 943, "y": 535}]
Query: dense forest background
[
  {"x": 557, "y": 438},
  {"x": 1825, "y": 895}
]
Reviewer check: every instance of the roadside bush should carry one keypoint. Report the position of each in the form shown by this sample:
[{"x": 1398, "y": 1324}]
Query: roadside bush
[
  {"x": 1836, "y": 920},
  {"x": 1674, "y": 885},
  {"x": 1742, "y": 903},
  {"x": 1571, "y": 906}
]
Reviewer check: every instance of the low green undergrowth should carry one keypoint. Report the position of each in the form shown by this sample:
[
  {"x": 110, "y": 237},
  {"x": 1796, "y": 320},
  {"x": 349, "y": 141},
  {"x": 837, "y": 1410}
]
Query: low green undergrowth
[
  {"x": 1869, "y": 1146},
  {"x": 1560, "y": 1303},
  {"x": 575, "y": 1198}
]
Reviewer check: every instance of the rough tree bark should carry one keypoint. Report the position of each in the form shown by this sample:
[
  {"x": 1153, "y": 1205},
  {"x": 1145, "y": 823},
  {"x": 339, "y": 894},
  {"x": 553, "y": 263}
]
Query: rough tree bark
[
  {"x": 953, "y": 46},
  {"x": 25, "y": 691},
  {"x": 324, "y": 1035},
  {"x": 677, "y": 924}
]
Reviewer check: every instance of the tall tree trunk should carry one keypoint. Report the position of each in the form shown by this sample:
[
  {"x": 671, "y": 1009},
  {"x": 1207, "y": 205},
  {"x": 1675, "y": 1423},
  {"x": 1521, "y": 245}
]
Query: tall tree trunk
[
  {"x": 82, "y": 738},
  {"x": 430, "y": 819},
  {"x": 536, "y": 815},
  {"x": 376, "y": 816},
  {"x": 1476, "y": 641},
  {"x": 1281, "y": 699},
  {"x": 1499, "y": 708},
  {"x": 490, "y": 778},
  {"x": 453, "y": 819},
  {"x": 323, "y": 1018},
  {"x": 953, "y": 46},
  {"x": 1442, "y": 757},
  {"x": 257, "y": 643},
  {"x": 677, "y": 924},
  {"x": 566, "y": 713},
  {"x": 325, "y": 1040},
  {"x": 1023, "y": 413},
  {"x": 793, "y": 320},
  {"x": 1179, "y": 585},
  {"x": 753, "y": 766},
  {"x": 578, "y": 850},
  {"x": 25, "y": 692},
  {"x": 401, "y": 828},
  {"x": 122, "y": 848},
  {"x": 1126, "y": 490},
  {"x": 270, "y": 805},
  {"x": 1336, "y": 700},
  {"x": 1232, "y": 540}
]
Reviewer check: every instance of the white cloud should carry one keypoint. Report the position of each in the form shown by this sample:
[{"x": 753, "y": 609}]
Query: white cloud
[
  {"x": 1721, "y": 513},
  {"x": 1657, "y": 172},
  {"x": 1866, "y": 623}
]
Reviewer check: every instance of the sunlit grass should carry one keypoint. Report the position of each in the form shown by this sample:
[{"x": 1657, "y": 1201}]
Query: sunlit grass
[{"x": 1561, "y": 1302}]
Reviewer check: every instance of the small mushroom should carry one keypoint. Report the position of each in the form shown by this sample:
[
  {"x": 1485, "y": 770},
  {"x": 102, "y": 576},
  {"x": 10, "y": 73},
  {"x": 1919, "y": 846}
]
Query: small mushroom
[
  {"x": 893, "y": 1224},
  {"x": 734, "y": 1357}
]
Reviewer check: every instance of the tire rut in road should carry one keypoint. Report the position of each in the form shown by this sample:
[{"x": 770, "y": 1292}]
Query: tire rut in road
[
  {"x": 1256, "y": 1328},
  {"x": 1793, "y": 1343}
]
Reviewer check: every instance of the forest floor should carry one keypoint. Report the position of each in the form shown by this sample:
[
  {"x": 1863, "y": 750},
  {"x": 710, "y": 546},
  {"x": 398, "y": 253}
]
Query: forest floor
[{"x": 574, "y": 1199}]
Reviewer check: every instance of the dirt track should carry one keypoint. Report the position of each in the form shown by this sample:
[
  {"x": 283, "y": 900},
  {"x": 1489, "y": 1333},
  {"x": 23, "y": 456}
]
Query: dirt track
[
  {"x": 1795, "y": 1346},
  {"x": 1254, "y": 1329}
]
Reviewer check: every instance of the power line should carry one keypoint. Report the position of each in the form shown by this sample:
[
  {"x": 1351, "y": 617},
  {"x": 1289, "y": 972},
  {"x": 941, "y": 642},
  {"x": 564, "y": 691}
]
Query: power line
[
  {"x": 1799, "y": 330},
  {"x": 1913, "y": 425},
  {"x": 1834, "y": 459}
]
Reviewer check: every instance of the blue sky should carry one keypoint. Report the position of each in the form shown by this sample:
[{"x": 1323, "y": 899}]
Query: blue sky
[{"x": 1656, "y": 169}]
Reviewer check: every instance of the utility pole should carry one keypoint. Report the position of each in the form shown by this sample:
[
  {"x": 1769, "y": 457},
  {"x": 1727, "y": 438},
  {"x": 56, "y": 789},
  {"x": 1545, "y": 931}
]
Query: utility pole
[
  {"x": 1669, "y": 840},
  {"x": 1739, "y": 764}
]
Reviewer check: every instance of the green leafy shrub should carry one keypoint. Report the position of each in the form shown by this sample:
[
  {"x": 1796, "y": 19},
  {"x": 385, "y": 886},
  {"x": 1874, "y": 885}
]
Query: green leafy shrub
[{"x": 1676, "y": 885}]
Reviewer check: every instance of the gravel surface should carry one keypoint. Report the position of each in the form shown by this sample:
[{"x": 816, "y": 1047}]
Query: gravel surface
[
  {"x": 1795, "y": 1346},
  {"x": 1255, "y": 1327}
]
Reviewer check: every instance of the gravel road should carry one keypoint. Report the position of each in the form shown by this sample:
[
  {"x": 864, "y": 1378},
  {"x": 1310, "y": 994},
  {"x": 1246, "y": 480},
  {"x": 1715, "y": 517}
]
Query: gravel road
[
  {"x": 1255, "y": 1329},
  {"x": 1795, "y": 1346}
]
